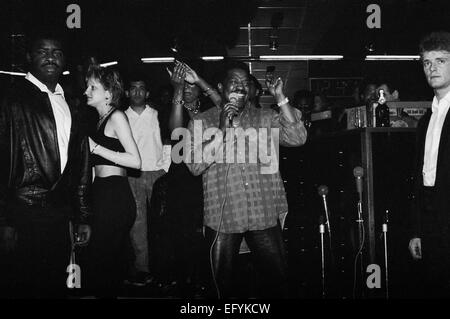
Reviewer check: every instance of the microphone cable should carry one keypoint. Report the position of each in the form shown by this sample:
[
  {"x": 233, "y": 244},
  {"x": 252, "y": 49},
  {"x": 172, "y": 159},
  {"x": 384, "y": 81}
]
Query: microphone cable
[
  {"x": 217, "y": 233},
  {"x": 362, "y": 231}
]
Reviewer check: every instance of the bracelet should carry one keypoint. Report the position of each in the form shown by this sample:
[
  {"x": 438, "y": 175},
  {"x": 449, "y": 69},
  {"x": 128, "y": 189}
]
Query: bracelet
[
  {"x": 283, "y": 102},
  {"x": 181, "y": 102},
  {"x": 207, "y": 91},
  {"x": 93, "y": 149}
]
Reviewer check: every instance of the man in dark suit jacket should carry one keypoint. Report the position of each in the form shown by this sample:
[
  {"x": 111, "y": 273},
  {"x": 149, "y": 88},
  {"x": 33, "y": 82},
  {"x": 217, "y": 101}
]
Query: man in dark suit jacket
[
  {"x": 431, "y": 239},
  {"x": 44, "y": 176}
]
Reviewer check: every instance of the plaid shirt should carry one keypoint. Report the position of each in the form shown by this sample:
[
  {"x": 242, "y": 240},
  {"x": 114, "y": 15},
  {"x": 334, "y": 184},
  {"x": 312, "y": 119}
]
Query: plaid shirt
[{"x": 251, "y": 200}]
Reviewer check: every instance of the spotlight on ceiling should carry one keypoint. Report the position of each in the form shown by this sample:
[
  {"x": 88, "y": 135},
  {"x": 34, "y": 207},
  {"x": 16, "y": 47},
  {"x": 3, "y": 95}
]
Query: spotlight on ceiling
[
  {"x": 66, "y": 73},
  {"x": 370, "y": 47},
  {"x": 175, "y": 46}
]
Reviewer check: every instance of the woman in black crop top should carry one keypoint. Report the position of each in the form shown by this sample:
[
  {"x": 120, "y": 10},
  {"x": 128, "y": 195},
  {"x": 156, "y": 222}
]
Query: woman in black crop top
[{"x": 113, "y": 149}]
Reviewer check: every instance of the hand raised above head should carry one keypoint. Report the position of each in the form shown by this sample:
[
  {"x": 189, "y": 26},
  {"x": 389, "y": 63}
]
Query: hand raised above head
[
  {"x": 275, "y": 86},
  {"x": 178, "y": 75},
  {"x": 191, "y": 75}
]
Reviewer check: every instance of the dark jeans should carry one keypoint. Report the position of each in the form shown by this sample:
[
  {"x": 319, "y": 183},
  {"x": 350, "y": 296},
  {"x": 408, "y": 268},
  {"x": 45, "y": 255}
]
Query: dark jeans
[
  {"x": 269, "y": 255},
  {"x": 37, "y": 267}
]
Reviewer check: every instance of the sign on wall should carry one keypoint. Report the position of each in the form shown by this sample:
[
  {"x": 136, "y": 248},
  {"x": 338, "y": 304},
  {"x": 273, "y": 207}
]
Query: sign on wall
[{"x": 339, "y": 87}]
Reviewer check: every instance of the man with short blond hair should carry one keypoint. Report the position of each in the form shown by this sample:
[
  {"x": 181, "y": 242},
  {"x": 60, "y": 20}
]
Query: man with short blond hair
[{"x": 431, "y": 235}]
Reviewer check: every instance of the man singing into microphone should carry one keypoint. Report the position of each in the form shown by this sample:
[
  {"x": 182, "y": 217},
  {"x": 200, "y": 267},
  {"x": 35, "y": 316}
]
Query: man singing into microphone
[
  {"x": 431, "y": 241},
  {"x": 240, "y": 201}
]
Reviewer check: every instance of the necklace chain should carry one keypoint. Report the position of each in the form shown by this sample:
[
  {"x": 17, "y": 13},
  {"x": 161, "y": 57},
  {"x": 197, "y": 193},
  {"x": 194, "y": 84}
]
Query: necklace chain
[
  {"x": 102, "y": 118},
  {"x": 194, "y": 108}
]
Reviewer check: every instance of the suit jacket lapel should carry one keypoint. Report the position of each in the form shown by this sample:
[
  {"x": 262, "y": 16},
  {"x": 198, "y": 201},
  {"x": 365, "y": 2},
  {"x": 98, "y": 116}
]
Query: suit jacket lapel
[
  {"x": 442, "y": 154},
  {"x": 422, "y": 131},
  {"x": 44, "y": 104}
]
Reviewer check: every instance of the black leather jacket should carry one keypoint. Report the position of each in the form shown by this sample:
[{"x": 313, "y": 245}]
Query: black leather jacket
[{"x": 30, "y": 171}]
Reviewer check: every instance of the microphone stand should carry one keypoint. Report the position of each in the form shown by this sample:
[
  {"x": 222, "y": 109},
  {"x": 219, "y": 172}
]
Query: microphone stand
[
  {"x": 322, "y": 250},
  {"x": 385, "y": 229},
  {"x": 358, "y": 173},
  {"x": 323, "y": 191},
  {"x": 360, "y": 222},
  {"x": 327, "y": 222}
]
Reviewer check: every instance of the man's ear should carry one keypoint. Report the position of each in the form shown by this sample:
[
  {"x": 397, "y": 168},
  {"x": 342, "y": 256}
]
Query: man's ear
[
  {"x": 395, "y": 95},
  {"x": 28, "y": 57},
  {"x": 147, "y": 95},
  {"x": 220, "y": 87},
  {"x": 127, "y": 93}
]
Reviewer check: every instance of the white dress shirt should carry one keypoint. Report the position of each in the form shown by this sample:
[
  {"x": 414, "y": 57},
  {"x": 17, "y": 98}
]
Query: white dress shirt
[
  {"x": 146, "y": 133},
  {"x": 61, "y": 112},
  {"x": 433, "y": 137}
]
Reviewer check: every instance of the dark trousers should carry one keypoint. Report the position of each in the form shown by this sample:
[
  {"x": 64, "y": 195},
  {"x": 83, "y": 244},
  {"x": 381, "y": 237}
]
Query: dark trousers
[
  {"x": 435, "y": 248},
  {"x": 37, "y": 267},
  {"x": 269, "y": 256},
  {"x": 110, "y": 250}
]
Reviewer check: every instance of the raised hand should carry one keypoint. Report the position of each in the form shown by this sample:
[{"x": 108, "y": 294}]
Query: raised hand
[
  {"x": 275, "y": 86},
  {"x": 191, "y": 75},
  {"x": 178, "y": 75}
]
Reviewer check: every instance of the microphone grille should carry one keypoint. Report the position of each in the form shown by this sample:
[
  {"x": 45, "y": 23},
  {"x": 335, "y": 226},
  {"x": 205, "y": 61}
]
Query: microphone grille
[
  {"x": 358, "y": 171},
  {"x": 322, "y": 190}
]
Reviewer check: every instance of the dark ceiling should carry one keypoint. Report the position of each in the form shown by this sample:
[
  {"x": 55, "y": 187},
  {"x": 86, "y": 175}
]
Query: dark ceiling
[{"x": 128, "y": 30}]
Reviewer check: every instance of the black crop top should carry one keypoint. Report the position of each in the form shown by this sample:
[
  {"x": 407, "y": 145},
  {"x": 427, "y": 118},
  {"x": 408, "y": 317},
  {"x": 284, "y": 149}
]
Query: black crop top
[{"x": 110, "y": 143}]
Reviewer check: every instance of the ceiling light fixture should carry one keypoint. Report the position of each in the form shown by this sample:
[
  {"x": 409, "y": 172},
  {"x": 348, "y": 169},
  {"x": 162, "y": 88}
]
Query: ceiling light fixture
[
  {"x": 66, "y": 73},
  {"x": 212, "y": 58},
  {"x": 175, "y": 45},
  {"x": 158, "y": 60},
  {"x": 392, "y": 57},
  {"x": 299, "y": 57},
  {"x": 13, "y": 73},
  {"x": 273, "y": 39},
  {"x": 108, "y": 64}
]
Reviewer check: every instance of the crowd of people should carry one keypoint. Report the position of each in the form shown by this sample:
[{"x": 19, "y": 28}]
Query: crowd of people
[
  {"x": 72, "y": 183},
  {"x": 106, "y": 181}
]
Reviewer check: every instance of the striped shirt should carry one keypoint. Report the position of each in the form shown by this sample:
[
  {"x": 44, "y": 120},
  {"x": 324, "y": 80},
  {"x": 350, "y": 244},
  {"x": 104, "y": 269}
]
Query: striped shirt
[{"x": 242, "y": 193}]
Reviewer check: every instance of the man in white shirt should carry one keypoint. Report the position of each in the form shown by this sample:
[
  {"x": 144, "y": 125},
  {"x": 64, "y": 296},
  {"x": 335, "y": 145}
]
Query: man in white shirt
[
  {"x": 155, "y": 163},
  {"x": 431, "y": 235},
  {"x": 44, "y": 176}
]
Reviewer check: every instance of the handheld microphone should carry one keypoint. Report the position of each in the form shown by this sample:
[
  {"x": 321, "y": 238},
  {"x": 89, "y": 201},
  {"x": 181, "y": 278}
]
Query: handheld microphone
[
  {"x": 322, "y": 190},
  {"x": 235, "y": 99},
  {"x": 358, "y": 172}
]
